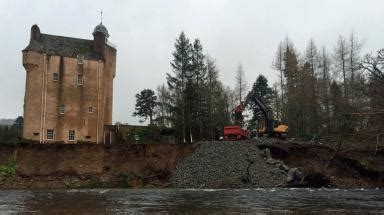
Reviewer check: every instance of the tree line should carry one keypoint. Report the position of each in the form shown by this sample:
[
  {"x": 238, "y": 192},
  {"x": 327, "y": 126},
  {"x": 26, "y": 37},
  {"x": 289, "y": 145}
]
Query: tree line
[
  {"x": 319, "y": 92},
  {"x": 12, "y": 133},
  {"x": 324, "y": 92}
]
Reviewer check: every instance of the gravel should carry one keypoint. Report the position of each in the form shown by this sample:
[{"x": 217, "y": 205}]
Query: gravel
[{"x": 229, "y": 165}]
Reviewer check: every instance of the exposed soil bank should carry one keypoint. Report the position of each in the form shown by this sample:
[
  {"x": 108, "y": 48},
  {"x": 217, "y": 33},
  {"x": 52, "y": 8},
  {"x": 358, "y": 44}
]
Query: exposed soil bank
[
  {"x": 152, "y": 165},
  {"x": 345, "y": 169},
  {"x": 87, "y": 165}
]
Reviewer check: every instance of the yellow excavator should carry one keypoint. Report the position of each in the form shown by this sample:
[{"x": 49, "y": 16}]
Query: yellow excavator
[
  {"x": 272, "y": 127},
  {"x": 280, "y": 130}
]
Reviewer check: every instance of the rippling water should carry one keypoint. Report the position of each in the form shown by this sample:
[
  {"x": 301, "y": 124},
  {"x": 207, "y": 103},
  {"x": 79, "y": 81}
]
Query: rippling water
[{"x": 193, "y": 201}]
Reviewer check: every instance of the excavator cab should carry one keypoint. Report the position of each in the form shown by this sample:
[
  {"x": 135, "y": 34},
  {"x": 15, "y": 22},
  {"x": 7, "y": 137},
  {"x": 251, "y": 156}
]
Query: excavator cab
[{"x": 280, "y": 130}]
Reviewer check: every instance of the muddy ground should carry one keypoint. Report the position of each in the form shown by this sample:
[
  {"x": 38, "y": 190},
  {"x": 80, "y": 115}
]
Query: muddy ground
[{"x": 144, "y": 165}]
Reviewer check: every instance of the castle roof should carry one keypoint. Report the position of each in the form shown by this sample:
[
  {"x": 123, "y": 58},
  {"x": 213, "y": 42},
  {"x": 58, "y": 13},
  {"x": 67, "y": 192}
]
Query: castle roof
[
  {"x": 102, "y": 29},
  {"x": 63, "y": 46}
]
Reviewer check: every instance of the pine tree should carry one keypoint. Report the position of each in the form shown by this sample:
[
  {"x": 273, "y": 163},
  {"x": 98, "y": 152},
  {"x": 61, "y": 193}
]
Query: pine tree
[
  {"x": 145, "y": 104},
  {"x": 199, "y": 75},
  {"x": 181, "y": 66},
  {"x": 312, "y": 58},
  {"x": 262, "y": 92}
]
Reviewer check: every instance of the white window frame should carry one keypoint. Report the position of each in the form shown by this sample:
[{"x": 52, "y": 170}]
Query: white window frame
[
  {"x": 90, "y": 109},
  {"x": 80, "y": 79},
  {"x": 50, "y": 134},
  {"x": 62, "y": 109},
  {"x": 80, "y": 59},
  {"x": 55, "y": 76},
  {"x": 71, "y": 135}
]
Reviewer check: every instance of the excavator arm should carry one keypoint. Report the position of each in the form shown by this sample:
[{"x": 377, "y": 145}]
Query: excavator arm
[{"x": 268, "y": 116}]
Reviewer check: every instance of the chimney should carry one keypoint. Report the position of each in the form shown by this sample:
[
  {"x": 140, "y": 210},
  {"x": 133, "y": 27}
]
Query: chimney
[{"x": 35, "y": 33}]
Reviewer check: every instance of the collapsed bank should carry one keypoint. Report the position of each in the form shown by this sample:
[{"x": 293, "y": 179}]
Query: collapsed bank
[{"x": 246, "y": 164}]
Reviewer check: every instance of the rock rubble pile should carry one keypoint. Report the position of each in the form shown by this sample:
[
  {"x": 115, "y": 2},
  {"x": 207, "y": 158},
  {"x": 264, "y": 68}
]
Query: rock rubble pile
[{"x": 230, "y": 165}]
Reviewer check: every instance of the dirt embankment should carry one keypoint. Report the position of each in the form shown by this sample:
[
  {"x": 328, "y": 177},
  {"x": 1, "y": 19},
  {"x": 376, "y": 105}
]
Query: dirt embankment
[
  {"x": 345, "y": 169},
  {"x": 153, "y": 165},
  {"x": 87, "y": 165}
]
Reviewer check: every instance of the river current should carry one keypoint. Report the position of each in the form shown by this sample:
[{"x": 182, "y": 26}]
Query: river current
[{"x": 193, "y": 201}]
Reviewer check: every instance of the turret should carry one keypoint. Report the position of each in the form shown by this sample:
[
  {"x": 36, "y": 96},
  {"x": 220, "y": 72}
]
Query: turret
[
  {"x": 35, "y": 33},
  {"x": 100, "y": 36}
]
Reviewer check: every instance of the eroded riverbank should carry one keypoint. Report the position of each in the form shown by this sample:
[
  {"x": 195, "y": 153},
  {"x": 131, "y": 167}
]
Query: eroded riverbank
[{"x": 261, "y": 163}]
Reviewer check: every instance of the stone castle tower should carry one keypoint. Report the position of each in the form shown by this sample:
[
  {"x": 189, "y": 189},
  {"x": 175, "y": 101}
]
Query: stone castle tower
[{"x": 69, "y": 87}]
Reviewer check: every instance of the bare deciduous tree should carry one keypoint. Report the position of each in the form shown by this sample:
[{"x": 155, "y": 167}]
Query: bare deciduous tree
[
  {"x": 340, "y": 59},
  {"x": 241, "y": 83}
]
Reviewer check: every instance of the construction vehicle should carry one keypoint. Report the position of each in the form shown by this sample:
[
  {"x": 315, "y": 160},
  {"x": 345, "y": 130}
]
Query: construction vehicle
[
  {"x": 280, "y": 130},
  {"x": 236, "y": 132},
  {"x": 272, "y": 127}
]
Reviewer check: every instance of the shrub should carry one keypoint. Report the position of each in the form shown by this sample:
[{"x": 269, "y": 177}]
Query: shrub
[
  {"x": 130, "y": 180},
  {"x": 9, "y": 169}
]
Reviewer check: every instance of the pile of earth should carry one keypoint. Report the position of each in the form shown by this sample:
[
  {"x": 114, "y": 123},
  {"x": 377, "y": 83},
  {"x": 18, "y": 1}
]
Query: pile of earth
[{"x": 229, "y": 165}]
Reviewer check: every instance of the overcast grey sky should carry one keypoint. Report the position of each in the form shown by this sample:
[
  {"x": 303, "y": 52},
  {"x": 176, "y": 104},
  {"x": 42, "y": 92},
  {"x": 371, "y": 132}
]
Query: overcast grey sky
[{"x": 232, "y": 32}]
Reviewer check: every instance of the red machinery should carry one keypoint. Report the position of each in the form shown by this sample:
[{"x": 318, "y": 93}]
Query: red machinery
[{"x": 235, "y": 133}]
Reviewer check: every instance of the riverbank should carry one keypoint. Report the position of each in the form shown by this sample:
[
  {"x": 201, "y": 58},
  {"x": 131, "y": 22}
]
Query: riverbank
[
  {"x": 256, "y": 163},
  {"x": 89, "y": 165}
]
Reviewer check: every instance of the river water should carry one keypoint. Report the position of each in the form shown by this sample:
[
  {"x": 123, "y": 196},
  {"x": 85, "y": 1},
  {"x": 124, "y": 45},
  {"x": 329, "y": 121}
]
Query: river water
[{"x": 193, "y": 201}]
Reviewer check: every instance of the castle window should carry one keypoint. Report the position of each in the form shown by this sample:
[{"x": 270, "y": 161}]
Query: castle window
[
  {"x": 71, "y": 135},
  {"x": 79, "y": 79},
  {"x": 49, "y": 134},
  {"x": 90, "y": 109},
  {"x": 80, "y": 59},
  {"x": 55, "y": 77},
  {"x": 62, "y": 109}
]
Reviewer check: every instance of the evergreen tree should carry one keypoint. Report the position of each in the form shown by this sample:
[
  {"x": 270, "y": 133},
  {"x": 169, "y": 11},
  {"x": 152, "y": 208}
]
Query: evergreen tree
[
  {"x": 181, "y": 66},
  {"x": 262, "y": 92},
  {"x": 145, "y": 104},
  {"x": 291, "y": 73},
  {"x": 311, "y": 88},
  {"x": 199, "y": 76}
]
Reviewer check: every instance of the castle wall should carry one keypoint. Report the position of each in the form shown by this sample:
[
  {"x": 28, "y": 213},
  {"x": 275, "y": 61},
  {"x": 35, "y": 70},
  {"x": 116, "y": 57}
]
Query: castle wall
[
  {"x": 44, "y": 96},
  {"x": 33, "y": 63}
]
